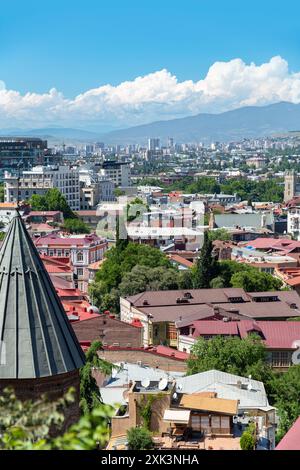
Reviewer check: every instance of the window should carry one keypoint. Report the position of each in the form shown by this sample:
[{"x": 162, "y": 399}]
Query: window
[
  {"x": 79, "y": 272},
  {"x": 80, "y": 256},
  {"x": 281, "y": 358}
]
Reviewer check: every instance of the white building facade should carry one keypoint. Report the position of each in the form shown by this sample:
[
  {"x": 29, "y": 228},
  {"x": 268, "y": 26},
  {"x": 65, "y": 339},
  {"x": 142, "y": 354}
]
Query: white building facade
[{"x": 42, "y": 178}]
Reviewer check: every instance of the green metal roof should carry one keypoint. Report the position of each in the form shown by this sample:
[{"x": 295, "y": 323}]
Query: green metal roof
[{"x": 36, "y": 338}]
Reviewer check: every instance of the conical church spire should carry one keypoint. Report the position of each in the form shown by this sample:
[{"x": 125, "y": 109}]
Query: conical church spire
[{"x": 36, "y": 338}]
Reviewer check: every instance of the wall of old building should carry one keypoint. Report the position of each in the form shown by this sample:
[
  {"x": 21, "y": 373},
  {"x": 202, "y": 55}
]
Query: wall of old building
[
  {"x": 54, "y": 387},
  {"x": 109, "y": 331},
  {"x": 147, "y": 358}
]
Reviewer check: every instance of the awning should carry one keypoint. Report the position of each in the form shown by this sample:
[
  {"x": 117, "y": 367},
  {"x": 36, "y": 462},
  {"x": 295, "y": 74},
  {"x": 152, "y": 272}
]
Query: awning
[{"x": 177, "y": 416}]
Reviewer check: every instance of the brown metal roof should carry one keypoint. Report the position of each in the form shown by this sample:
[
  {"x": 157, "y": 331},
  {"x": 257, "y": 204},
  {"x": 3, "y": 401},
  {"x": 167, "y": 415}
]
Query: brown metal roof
[{"x": 197, "y": 401}]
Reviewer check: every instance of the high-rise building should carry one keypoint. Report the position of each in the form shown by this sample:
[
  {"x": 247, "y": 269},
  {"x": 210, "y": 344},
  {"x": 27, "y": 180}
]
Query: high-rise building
[
  {"x": 21, "y": 150},
  {"x": 153, "y": 144}
]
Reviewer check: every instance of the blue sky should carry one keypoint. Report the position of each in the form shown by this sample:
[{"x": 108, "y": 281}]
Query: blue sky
[{"x": 75, "y": 46}]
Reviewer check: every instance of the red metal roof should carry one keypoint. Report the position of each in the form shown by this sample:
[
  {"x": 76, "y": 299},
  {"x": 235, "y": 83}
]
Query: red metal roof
[
  {"x": 170, "y": 352},
  {"x": 275, "y": 334},
  {"x": 291, "y": 441},
  {"x": 219, "y": 327}
]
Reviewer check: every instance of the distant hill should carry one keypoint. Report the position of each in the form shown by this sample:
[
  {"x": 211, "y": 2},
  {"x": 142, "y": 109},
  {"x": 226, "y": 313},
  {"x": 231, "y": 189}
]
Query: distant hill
[
  {"x": 251, "y": 121},
  {"x": 54, "y": 133}
]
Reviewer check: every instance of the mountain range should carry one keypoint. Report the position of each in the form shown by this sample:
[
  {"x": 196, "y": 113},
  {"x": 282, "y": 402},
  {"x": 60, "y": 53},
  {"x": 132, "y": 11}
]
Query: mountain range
[
  {"x": 248, "y": 122},
  {"x": 245, "y": 122}
]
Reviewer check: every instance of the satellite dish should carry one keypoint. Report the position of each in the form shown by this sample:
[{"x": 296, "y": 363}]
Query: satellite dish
[
  {"x": 175, "y": 396},
  {"x": 249, "y": 386},
  {"x": 179, "y": 387},
  {"x": 114, "y": 373},
  {"x": 296, "y": 357},
  {"x": 163, "y": 384},
  {"x": 145, "y": 383}
]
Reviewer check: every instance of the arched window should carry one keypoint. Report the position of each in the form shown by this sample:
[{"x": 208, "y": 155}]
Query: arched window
[{"x": 79, "y": 256}]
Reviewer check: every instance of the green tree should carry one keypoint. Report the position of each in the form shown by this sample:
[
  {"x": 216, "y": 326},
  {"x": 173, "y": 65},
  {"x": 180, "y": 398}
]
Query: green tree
[
  {"x": 206, "y": 266},
  {"x": 255, "y": 281},
  {"x": 286, "y": 396},
  {"x": 90, "y": 397},
  {"x": 141, "y": 278},
  {"x": 217, "y": 283},
  {"x": 226, "y": 269},
  {"x": 219, "y": 234},
  {"x": 76, "y": 226},
  {"x": 139, "y": 439},
  {"x": 1, "y": 192},
  {"x": 27, "y": 425},
  {"x": 118, "y": 192},
  {"x": 247, "y": 441},
  {"x": 52, "y": 201},
  {"x": 232, "y": 355}
]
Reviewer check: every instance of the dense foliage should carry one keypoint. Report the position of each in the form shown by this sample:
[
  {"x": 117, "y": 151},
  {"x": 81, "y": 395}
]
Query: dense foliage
[
  {"x": 232, "y": 355},
  {"x": 206, "y": 267},
  {"x": 132, "y": 268},
  {"x": 76, "y": 226},
  {"x": 247, "y": 441},
  {"x": 262, "y": 190},
  {"x": 90, "y": 397},
  {"x": 52, "y": 201},
  {"x": 286, "y": 396},
  {"x": 219, "y": 234},
  {"x": 139, "y": 439},
  {"x": 26, "y": 425}
]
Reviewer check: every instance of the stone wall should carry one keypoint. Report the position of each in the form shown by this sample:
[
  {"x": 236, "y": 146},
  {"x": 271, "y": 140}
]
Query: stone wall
[{"x": 147, "y": 358}]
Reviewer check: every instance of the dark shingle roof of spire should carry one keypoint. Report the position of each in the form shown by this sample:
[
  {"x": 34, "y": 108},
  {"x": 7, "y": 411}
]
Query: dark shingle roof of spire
[{"x": 36, "y": 338}]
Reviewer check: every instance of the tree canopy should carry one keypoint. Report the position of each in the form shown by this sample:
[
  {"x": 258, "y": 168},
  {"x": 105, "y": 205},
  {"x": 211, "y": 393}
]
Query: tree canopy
[
  {"x": 286, "y": 397},
  {"x": 76, "y": 226},
  {"x": 53, "y": 200},
  {"x": 255, "y": 281},
  {"x": 139, "y": 439},
  {"x": 90, "y": 397},
  {"x": 206, "y": 267},
  {"x": 127, "y": 268},
  {"x": 228, "y": 354}
]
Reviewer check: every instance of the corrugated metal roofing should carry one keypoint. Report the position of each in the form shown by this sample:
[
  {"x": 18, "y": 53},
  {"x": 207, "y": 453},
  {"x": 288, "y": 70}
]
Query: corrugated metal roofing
[
  {"x": 226, "y": 386},
  {"x": 35, "y": 332}
]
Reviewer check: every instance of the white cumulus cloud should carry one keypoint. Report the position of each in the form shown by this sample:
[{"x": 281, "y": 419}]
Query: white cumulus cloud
[{"x": 158, "y": 95}]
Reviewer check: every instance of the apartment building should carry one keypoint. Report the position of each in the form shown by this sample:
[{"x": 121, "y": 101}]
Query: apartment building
[
  {"x": 118, "y": 172},
  {"x": 39, "y": 180},
  {"x": 82, "y": 250}
]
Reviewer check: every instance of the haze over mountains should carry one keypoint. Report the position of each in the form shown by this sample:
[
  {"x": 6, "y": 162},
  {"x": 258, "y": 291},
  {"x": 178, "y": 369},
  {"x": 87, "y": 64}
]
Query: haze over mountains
[{"x": 251, "y": 121}]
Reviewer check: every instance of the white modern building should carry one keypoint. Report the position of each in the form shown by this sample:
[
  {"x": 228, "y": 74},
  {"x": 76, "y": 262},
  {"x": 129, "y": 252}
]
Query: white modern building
[
  {"x": 117, "y": 172},
  {"x": 293, "y": 222},
  {"x": 39, "y": 180}
]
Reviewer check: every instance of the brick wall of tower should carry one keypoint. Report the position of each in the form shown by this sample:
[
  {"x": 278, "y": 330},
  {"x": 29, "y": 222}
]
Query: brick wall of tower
[{"x": 54, "y": 387}]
